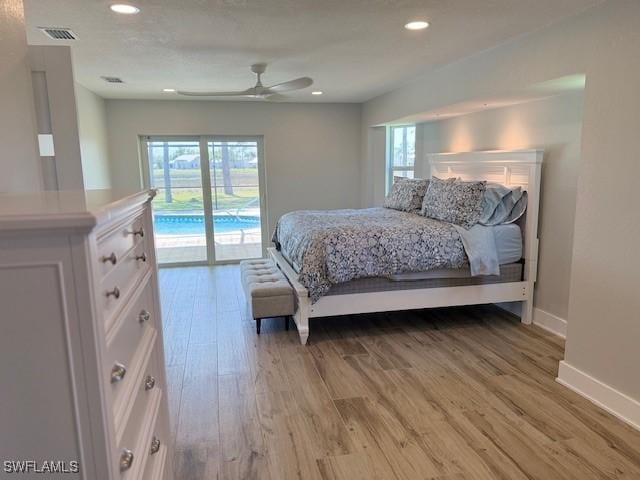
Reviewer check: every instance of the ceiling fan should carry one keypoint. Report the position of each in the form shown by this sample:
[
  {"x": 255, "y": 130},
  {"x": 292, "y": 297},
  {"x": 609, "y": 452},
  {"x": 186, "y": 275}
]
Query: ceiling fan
[{"x": 258, "y": 91}]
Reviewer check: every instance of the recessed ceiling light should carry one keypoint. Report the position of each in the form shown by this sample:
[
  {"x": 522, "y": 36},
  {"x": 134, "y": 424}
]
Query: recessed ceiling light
[
  {"x": 169, "y": 90},
  {"x": 124, "y": 8},
  {"x": 317, "y": 92},
  {"x": 417, "y": 25}
]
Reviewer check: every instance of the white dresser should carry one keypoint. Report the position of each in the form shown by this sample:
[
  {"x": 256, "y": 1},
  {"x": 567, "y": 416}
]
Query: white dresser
[{"x": 82, "y": 375}]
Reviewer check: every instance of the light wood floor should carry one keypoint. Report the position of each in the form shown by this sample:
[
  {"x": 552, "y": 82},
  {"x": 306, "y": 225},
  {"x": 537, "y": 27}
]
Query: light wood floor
[{"x": 456, "y": 394}]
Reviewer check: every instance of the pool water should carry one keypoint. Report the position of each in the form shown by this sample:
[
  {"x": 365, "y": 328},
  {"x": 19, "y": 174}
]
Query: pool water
[{"x": 194, "y": 224}]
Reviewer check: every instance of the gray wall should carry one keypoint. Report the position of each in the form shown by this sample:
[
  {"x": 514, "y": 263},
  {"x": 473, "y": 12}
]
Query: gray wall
[
  {"x": 603, "y": 43},
  {"x": 19, "y": 159},
  {"x": 552, "y": 124},
  {"x": 311, "y": 151},
  {"x": 56, "y": 64},
  {"x": 92, "y": 129}
]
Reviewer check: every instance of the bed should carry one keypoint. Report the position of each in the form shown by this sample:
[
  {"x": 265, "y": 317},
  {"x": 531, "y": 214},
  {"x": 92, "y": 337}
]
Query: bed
[{"x": 436, "y": 273}]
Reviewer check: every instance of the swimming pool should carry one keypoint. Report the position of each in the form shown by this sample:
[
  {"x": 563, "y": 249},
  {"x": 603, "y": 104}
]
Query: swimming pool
[{"x": 175, "y": 224}]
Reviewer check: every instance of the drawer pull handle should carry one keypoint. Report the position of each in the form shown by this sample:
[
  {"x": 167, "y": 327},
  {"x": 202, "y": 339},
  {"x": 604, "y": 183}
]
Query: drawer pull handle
[
  {"x": 149, "y": 382},
  {"x": 155, "y": 445},
  {"x": 137, "y": 232},
  {"x": 118, "y": 372},
  {"x": 144, "y": 316},
  {"x": 126, "y": 459},
  {"x": 142, "y": 257},
  {"x": 111, "y": 258},
  {"x": 115, "y": 293}
]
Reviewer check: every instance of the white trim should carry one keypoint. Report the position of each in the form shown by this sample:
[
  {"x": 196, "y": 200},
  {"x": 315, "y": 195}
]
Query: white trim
[
  {"x": 616, "y": 403},
  {"x": 550, "y": 322},
  {"x": 207, "y": 202},
  {"x": 490, "y": 156},
  {"x": 394, "y": 300}
]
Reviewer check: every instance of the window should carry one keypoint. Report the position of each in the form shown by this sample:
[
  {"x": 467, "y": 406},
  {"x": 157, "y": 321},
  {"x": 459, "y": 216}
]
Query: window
[
  {"x": 401, "y": 154},
  {"x": 208, "y": 207}
]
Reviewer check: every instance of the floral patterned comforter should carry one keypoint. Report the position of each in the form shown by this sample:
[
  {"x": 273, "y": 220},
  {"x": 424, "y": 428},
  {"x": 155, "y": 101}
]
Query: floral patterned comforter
[{"x": 334, "y": 246}]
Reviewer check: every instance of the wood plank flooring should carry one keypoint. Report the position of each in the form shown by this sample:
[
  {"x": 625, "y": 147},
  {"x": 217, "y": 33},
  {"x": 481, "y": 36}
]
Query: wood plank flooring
[{"x": 446, "y": 394}]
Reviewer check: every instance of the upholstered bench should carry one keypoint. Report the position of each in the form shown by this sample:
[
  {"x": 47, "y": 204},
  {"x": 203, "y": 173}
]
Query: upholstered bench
[{"x": 267, "y": 290}]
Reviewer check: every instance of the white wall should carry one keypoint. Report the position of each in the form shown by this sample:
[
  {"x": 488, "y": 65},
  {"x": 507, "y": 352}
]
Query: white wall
[
  {"x": 603, "y": 43},
  {"x": 92, "y": 126},
  {"x": 554, "y": 125},
  {"x": 19, "y": 158},
  {"x": 311, "y": 151}
]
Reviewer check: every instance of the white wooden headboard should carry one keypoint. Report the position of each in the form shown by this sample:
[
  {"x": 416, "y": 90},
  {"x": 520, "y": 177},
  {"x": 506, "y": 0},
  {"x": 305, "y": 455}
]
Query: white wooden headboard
[{"x": 510, "y": 168}]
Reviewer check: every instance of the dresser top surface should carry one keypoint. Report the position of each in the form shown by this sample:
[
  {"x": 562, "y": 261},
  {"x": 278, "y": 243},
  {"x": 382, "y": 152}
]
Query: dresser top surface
[{"x": 66, "y": 209}]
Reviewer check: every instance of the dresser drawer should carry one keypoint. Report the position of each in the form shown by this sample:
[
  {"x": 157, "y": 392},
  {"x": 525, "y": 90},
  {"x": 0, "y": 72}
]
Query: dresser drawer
[
  {"x": 155, "y": 468},
  {"x": 125, "y": 392},
  {"x": 116, "y": 242},
  {"x": 123, "y": 339},
  {"x": 145, "y": 392},
  {"x": 137, "y": 439},
  {"x": 116, "y": 288}
]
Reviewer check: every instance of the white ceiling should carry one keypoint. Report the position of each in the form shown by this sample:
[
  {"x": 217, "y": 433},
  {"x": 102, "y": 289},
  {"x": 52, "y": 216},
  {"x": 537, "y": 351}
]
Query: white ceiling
[{"x": 353, "y": 49}]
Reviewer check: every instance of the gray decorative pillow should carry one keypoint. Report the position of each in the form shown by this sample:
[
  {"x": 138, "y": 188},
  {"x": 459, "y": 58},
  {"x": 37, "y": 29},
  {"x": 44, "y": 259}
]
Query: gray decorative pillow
[
  {"x": 406, "y": 194},
  {"x": 454, "y": 202}
]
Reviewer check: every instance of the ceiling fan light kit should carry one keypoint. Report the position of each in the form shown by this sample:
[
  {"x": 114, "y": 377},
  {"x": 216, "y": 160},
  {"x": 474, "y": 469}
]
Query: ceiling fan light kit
[{"x": 258, "y": 90}]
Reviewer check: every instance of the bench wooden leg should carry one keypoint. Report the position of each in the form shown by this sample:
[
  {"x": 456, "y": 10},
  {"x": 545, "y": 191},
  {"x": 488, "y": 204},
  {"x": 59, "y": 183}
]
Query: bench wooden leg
[{"x": 258, "y": 322}]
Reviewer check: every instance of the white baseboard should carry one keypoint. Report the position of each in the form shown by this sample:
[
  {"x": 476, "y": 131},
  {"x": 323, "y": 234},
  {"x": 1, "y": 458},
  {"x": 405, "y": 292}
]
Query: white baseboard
[
  {"x": 550, "y": 322},
  {"x": 616, "y": 403}
]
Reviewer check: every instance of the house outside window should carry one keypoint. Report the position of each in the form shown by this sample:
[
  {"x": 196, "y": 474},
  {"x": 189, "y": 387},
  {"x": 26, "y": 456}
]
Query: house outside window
[{"x": 401, "y": 152}]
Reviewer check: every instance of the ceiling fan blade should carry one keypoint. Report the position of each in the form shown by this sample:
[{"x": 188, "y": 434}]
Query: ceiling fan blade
[
  {"x": 297, "y": 84},
  {"x": 216, "y": 94},
  {"x": 275, "y": 97}
]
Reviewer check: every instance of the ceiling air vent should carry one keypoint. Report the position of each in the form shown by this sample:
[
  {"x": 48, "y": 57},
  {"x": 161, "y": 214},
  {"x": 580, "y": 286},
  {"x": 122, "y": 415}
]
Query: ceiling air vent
[
  {"x": 55, "y": 33},
  {"x": 112, "y": 79}
]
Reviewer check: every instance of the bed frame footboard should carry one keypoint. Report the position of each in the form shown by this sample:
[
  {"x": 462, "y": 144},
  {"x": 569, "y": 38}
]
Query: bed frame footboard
[
  {"x": 303, "y": 303},
  {"x": 398, "y": 300}
]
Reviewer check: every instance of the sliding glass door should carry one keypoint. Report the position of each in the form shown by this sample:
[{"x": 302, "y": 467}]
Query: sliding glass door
[
  {"x": 178, "y": 208},
  {"x": 209, "y": 207},
  {"x": 235, "y": 197}
]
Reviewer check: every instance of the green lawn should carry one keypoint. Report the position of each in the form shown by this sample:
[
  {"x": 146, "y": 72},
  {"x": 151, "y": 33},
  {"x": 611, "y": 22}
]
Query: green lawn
[
  {"x": 191, "y": 199},
  {"x": 187, "y": 192},
  {"x": 191, "y": 177}
]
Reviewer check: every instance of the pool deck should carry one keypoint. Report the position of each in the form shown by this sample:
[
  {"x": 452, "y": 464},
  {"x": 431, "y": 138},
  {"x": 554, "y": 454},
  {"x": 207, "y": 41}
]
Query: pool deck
[
  {"x": 181, "y": 255},
  {"x": 192, "y": 248}
]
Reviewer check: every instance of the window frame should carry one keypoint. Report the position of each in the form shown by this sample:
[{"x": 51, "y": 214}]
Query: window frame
[
  {"x": 203, "y": 141},
  {"x": 392, "y": 169}
]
